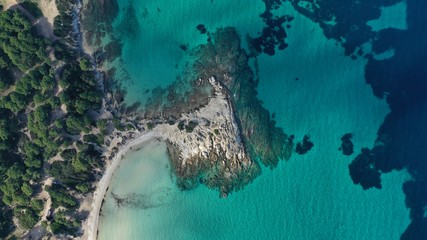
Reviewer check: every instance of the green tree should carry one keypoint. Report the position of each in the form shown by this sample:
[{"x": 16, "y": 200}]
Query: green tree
[
  {"x": 84, "y": 188},
  {"x": 27, "y": 189},
  {"x": 4, "y": 129},
  {"x": 37, "y": 204},
  {"x": 27, "y": 218},
  {"x": 5, "y": 221},
  {"x": 85, "y": 64}
]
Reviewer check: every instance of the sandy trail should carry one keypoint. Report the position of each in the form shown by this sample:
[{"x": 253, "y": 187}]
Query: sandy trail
[
  {"x": 91, "y": 226},
  {"x": 7, "y": 3},
  {"x": 49, "y": 9}
]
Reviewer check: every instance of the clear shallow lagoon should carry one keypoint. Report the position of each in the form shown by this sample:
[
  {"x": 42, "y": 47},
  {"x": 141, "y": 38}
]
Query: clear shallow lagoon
[{"x": 308, "y": 197}]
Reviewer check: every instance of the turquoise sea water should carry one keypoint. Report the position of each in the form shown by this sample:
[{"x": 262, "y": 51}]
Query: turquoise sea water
[
  {"x": 298, "y": 200},
  {"x": 308, "y": 197},
  {"x": 391, "y": 17},
  {"x": 152, "y": 56}
]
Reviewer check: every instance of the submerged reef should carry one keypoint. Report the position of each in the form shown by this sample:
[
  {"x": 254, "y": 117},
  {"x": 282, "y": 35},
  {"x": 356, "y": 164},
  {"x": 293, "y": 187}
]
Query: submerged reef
[
  {"x": 216, "y": 129},
  {"x": 129, "y": 27},
  {"x": 97, "y": 18}
]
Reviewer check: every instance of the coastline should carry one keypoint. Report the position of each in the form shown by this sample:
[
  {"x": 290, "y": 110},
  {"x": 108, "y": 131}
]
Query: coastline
[
  {"x": 192, "y": 148},
  {"x": 90, "y": 227}
]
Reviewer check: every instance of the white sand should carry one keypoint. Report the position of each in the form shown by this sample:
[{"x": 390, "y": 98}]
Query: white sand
[
  {"x": 7, "y": 3},
  {"x": 49, "y": 9},
  {"x": 90, "y": 227}
]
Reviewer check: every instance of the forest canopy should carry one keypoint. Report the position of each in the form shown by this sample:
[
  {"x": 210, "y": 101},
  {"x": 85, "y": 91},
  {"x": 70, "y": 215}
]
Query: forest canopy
[{"x": 47, "y": 90}]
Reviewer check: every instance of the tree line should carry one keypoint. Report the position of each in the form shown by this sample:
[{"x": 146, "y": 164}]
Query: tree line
[{"x": 47, "y": 92}]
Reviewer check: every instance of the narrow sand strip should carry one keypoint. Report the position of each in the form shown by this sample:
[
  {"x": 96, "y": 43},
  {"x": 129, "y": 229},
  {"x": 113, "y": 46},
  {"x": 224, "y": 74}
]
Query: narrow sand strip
[{"x": 91, "y": 227}]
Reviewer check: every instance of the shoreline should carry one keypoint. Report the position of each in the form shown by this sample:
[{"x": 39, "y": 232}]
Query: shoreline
[
  {"x": 91, "y": 225},
  {"x": 202, "y": 143}
]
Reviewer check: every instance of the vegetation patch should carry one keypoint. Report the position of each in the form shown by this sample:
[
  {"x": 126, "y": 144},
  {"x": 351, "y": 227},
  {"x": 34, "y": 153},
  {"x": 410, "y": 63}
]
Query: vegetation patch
[{"x": 47, "y": 93}]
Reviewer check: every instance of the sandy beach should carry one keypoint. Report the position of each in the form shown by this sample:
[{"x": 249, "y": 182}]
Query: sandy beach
[{"x": 91, "y": 226}]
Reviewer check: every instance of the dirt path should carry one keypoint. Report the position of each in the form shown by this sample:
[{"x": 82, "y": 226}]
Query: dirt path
[
  {"x": 7, "y": 3},
  {"x": 49, "y": 9},
  {"x": 45, "y": 195}
]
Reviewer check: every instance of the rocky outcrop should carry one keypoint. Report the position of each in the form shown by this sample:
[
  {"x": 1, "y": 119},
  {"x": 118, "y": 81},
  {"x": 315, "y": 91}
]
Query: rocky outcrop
[
  {"x": 224, "y": 58},
  {"x": 207, "y": 146},
  {"x": 218, "y": 131}
]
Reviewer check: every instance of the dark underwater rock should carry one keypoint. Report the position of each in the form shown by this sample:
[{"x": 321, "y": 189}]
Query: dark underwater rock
[
  {"x": 347, "y": 144},
  {"x": 362, "y": 170},
  {"x": 184, "y": 47},
  {"x": 273, "y": 34},
  {"x": 201, "y": 28},
  {"x": 304, "y": 146}
]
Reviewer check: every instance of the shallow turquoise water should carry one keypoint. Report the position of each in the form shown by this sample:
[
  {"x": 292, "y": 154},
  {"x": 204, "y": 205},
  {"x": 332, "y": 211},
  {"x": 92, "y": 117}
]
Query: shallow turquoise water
[
  {"x": 298, "y": 200},
  {"x": 391, "y": 17},
  {"x": 308, "y": 197},
  {"x": 152, "y": 55}
]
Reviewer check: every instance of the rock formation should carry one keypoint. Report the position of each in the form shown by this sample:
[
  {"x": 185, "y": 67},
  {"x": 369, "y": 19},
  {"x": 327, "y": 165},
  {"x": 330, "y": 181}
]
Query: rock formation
[{"x": 212, "y": 146}]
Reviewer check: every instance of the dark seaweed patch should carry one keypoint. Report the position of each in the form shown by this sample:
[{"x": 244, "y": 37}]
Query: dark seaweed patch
[
  {"x": 304, "y": 146},
  {"x": 98, "y": 16},
  {"x": 201, "y": 28},
  {"x": 129, "y": 26},
  {"x": 272, "y": 36},
  {"x": 363, "y": 172},
  {"x": 347, "y": 144},
  {"x": 184, "y": 47},
  {"x": 349, "y": 18}
]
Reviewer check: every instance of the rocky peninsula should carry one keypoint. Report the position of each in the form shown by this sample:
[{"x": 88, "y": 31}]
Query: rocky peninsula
[{"x": 206, "y": 145}]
